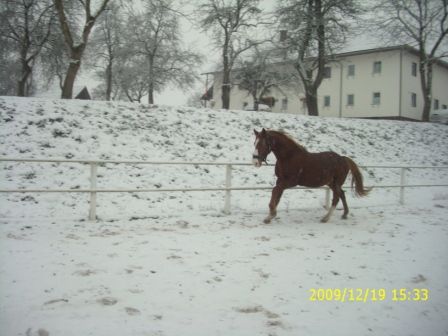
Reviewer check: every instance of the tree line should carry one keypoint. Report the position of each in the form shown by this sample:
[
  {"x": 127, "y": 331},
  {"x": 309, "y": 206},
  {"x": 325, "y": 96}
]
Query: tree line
[
  {"x": 133, "y": 48},
  {"x": 136, "y": 48}
]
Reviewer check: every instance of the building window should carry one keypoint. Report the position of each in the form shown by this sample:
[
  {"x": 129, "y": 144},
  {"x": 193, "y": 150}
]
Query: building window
[
  {"x": 350, "y": 100},
  {"x": 284, "y": 104},
  {"x": 327, "y": 72},
  {"x": 444, "y": 106},
  {"x": 414, "y": 69},
  {"x": 327, "y": 101},
  {"x": 269, "y": 101},
  {"x": 245, "y": 104},
  {"x": 376, "y": 100},
  {"x": 377, "y": 67},
  {"x": 351, "y": 70},
  {"x": 436, "y": 104},
  {"x": 413, "y": 99}
]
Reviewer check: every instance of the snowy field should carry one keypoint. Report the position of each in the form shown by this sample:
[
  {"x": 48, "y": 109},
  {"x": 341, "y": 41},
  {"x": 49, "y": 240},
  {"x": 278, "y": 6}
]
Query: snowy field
[{"x": 174, "y": 264}]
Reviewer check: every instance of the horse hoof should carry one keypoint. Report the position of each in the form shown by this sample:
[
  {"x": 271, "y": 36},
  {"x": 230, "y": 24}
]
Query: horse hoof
[
  {"x": 267, "y": 220},
  {"x": 344, "y": 217},
  {"x": 324, "y": 220}
]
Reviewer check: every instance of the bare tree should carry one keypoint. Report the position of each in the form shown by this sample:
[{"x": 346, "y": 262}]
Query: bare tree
[
  {"x": 108, "y": 43},
  {"x": 154, "y": 35},
  {"x": 9, "y": 68},
  {"x": 75, "y": 47},
  {"x": 315, "y": 29},
  {"x": 131, "y": 81},
  {"x": 420, "y": 23},
  {"x": 262, "y": 73},
  {"x": 27, "y": 25},
  {"x": 230, "y": 21},
  {"x": 54, "y": 59}
]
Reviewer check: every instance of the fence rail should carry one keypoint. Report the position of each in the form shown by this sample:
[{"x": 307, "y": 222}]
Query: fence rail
[
  {"x": 228, "y": 180},
  {"x": 199, "y": 163}
]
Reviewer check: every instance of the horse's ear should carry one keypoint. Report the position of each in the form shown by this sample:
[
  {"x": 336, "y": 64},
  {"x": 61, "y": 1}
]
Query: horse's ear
[
  {"x": 263, "y": 132},
  {"x": 255, "y": 132}
]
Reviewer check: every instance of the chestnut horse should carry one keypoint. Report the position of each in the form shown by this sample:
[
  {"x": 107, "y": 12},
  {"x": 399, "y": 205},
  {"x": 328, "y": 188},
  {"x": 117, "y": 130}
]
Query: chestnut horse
[{"x": 296, "y": 166}]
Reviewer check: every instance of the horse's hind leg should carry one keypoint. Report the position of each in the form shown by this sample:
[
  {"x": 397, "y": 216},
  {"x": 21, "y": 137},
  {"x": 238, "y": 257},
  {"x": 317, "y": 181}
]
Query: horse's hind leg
[
  {"x": 344, "y": 203},
  {"x": 333, "y": 204}
]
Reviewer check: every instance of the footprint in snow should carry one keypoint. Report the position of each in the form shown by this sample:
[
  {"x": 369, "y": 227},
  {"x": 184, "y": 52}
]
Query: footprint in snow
[
  {"x": 273, "y": 318},
  {"x": 40, "y": 332},
  {"x": 107, "y": 301},
  {"x": 262, "y": 238},
  {"x": 132, "y": 311},
  {"x": 418, "y": 279},
  {"x": 85, "y": 273}
]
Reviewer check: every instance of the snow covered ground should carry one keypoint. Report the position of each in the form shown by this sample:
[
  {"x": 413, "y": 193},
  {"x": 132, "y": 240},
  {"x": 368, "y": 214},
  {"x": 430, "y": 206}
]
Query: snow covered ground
[{"x": 174, "y": 264}]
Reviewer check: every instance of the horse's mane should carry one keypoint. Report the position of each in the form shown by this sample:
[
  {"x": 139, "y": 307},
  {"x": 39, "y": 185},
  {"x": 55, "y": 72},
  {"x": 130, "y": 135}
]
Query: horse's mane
[{"x": 290, "y": 138}]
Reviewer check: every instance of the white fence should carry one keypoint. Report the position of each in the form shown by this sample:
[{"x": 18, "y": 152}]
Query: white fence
[{"x": 228, "y": 181}]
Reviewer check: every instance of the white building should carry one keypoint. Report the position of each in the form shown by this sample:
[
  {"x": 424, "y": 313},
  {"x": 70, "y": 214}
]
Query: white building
[{"x": 381, "y": 83}]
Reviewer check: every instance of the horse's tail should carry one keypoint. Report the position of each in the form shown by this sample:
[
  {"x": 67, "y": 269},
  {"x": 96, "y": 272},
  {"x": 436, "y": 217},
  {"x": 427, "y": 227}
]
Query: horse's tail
[{"x": 357, "y": 180}]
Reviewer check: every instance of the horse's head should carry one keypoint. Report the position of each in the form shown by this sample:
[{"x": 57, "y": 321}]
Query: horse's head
[{"x": 262, "y": 147}]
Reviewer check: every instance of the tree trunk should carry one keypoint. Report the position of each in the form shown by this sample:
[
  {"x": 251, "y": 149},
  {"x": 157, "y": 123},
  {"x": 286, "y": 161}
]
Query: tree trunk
[
  {"x": 311, "y": 88},
  {"x": 109, "y": 80},
  {"x": 225, "y": 88},
  {"x": 311, "y": 102},
  {"x": 426, "y": 109},
  {"x": 151, "y": 94},
  {"x": 225, "y": 96},
  {"x": 256, "y": 103},
  {"x": 255, "y": 96},
  {"x": 25, "y": 70},
  {"x": 22, "y": 83},
  {"x": 151, "y": 82},
  {"x": 426, "y": 84},
  {"x": 69, "y": 81},
  {"x": 73, "y": 68}
]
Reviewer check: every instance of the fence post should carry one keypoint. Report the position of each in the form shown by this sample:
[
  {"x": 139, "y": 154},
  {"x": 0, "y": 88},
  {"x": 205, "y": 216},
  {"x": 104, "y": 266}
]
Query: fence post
[
  {"x": 92, "y": 212},
  {"x": 402, "y": 183},
  {"x": 228, "y": 185}
]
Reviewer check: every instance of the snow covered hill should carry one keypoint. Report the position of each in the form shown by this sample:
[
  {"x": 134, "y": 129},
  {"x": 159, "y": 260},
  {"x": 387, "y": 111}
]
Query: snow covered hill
[
  {"x": 174, "y": 264},
  {"x": 102, "y": 130}
]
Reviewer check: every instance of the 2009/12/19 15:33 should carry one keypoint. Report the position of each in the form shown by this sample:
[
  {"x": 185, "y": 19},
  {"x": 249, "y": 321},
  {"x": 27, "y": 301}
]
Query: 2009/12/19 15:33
[{"x": 368, "y": 294}]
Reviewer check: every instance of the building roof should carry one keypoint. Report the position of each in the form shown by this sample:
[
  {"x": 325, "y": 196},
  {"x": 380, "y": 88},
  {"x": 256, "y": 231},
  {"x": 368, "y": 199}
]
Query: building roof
[{"x": 404, "y": 47}]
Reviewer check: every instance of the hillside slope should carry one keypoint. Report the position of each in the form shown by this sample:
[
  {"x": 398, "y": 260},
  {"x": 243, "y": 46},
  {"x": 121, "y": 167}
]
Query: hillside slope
[{"x": 100, "y": 130}]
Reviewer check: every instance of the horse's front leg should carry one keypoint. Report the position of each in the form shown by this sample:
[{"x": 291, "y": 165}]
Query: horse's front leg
[{"x": 275, "y": 199}]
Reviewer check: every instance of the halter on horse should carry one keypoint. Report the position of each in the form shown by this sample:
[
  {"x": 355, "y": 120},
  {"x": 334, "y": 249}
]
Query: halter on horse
[{"x": 296, "y": 166}]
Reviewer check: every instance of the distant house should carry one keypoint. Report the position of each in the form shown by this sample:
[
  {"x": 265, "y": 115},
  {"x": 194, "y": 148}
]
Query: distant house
[{"x": 373, "y": 83}]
